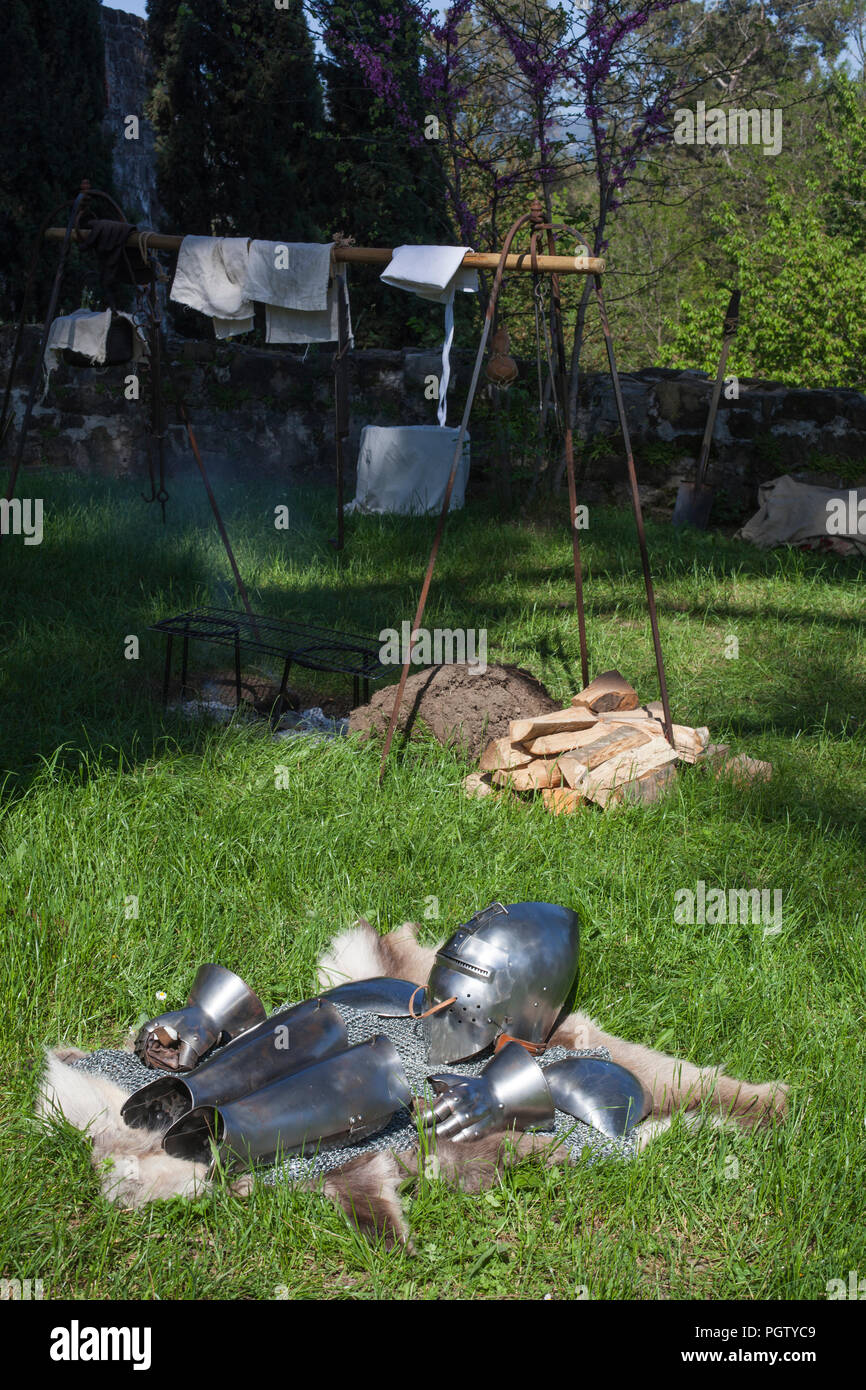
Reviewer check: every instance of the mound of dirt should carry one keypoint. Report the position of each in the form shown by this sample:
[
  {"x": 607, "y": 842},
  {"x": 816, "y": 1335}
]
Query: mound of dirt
[{"x": 457, "y": 707}]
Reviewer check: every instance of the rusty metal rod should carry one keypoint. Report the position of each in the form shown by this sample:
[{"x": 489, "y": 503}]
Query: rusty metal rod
[
  {"x": 638, "y": 512},
  {"x": 341, "y": 401},
  {"x": 381, "y": 255},
  {"x": 446, "y": 501},
  {"x": 541, "y": 225}
]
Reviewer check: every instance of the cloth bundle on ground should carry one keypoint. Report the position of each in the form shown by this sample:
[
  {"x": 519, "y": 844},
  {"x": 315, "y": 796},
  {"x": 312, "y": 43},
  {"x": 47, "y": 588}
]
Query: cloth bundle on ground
[
  {"x": 816, "y": 518},
  {"x": 405, "y": 469},
  {"x": 89, "y": 1091},
  {"x": 85, "y": 332},
  {"x": 434, "y": 272}
]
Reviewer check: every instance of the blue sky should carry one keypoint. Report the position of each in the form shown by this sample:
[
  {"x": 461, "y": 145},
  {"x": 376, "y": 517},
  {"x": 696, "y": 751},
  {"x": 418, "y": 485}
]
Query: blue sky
[{"x": 139, "y": 7}]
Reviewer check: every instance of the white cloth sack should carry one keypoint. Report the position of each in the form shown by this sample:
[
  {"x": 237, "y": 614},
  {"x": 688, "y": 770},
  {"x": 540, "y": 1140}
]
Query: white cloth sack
[
  {"x": 84, "y": 331},
  {"x": 404, "y": 469},
  {"x": 795, "y": 513},
  {"x": 210, "y": 276},
  {"x": 434, "y": 272}
]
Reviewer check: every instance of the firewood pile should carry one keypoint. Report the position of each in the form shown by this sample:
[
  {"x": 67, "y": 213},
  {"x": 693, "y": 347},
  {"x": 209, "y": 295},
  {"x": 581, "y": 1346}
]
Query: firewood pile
[{"x": 606, "y": 748}]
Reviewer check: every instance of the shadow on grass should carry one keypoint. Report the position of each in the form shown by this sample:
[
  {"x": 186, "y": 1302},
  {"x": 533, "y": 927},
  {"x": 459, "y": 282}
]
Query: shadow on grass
[{"x": 107, "y": 569}]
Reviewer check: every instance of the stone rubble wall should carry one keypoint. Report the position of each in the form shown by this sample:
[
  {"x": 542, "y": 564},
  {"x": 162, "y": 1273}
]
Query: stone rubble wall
[{"x": 265, "y": 412}]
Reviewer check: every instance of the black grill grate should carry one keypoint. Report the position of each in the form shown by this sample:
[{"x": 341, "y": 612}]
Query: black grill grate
[{"x": 301, "y": 644}]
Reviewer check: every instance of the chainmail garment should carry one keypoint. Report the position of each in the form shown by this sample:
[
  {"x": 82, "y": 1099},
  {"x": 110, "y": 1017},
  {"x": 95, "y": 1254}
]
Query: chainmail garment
[{"x": 402, "y": 1132}]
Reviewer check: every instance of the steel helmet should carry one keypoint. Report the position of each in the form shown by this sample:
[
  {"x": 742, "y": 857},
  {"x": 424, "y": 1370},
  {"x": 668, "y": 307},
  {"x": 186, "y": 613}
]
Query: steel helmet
[{"x": 508, "y": 970}]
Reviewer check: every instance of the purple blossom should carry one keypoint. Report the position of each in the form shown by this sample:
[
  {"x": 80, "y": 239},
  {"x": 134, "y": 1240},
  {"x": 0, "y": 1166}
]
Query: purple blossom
[{"x": 555, "y": 71}]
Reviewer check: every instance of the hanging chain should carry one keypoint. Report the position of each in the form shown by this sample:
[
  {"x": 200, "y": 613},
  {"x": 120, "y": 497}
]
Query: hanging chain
[{"x": 148, "y": 317}]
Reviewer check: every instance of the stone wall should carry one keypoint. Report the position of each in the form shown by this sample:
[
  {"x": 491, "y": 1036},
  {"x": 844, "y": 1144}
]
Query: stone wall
[
  {"x": 767, "y": 430},
  {"x": 128, "y": 82},
  {"x": 261, "y": 411}
]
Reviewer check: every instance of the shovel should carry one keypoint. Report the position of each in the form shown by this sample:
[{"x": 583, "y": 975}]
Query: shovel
[{"x": 694, "y": 500}]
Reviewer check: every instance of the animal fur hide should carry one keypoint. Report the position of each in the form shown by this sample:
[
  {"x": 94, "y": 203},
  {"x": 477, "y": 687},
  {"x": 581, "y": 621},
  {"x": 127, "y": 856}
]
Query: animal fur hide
[{"x": 134, "y": 1169}]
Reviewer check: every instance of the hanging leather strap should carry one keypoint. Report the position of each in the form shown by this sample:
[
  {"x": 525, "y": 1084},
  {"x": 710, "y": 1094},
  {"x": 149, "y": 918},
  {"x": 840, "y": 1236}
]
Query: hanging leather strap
[{"x": 436, "y": 1008}]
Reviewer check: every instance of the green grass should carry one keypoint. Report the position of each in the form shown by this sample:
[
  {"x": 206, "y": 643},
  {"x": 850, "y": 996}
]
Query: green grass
[{"x": 105, "y": 799}]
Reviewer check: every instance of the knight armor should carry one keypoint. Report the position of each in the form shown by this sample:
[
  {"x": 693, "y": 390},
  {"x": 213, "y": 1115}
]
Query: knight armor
[
  {"x": 220, "y": 1007},
  {"x": 291, "y": 1084},
  {"x": 285, "y": 1043}
]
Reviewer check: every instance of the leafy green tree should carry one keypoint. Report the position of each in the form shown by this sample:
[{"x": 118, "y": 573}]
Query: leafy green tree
[
  {"x": 385, "y": 178},
  {"x": 803, "y": 317},
  {"x": 388, "y": 185},
  {"x": 239, "y": 119},
  {"x": 844, "y": 146}
]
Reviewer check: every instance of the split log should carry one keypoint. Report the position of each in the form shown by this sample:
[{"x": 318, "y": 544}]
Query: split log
[
  {"x": 651, "y": 711},
  {"x": 550, "y": 745},
  {"x": 631, "y": 766},
  {"x": 561, "y": 801},
  {"x": 475, "y": 785},
  {"x": 571, "y": 770},
  {"x": 500, "y": 753},
  {"x": 537, "y": 775},
  {"x": 618, "y": 740},
  {"x": 649, "y": 787},
  {"x": 558, "y": 721},
  {"x": 690, "y": 743},
  {"x": 609, "y": 691},
  {"x": 744, "y": 770}
]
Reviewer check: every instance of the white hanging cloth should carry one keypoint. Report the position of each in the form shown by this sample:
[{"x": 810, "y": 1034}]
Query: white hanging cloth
[
  {"x": 85, "y": 331},
  {"x": 434, "y": 272},
  {"x": 405, "y": 469},
  {"x": 210, "y": 277},
  {"x": 294, "y": 282}
]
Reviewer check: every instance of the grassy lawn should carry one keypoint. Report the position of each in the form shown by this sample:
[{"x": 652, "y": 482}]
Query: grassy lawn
[{"x": 105, "y": 799}]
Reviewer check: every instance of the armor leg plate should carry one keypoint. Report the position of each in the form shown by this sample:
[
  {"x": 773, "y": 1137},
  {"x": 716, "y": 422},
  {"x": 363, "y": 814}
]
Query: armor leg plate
[
  {"x": 335, "y": 1102},
  {"x": 285, "y": 1043}
]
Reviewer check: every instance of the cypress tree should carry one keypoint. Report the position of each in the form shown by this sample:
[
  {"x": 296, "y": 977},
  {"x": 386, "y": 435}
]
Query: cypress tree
[
  {"x": 238, "y": 113},
  {"x": 388, "y": 186}
]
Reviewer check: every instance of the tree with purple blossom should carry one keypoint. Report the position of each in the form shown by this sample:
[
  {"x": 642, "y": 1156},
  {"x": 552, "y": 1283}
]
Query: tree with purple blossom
[{"x": 526, "y": 94}]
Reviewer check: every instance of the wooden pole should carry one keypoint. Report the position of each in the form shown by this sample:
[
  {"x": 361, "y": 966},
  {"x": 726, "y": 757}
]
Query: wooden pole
[{"x": 381, "y": 255}]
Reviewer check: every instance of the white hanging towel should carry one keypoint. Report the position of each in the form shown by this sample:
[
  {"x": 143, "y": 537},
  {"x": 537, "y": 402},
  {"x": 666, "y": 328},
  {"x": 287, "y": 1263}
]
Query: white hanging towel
[
  {"x": 308, "y": 325},
  {"x": 293, "y": 275},
  {"x": 405, "y": 469},
  {"x": 293, "y": 280},
  {"x": 434, "y": 272},
  {"x": 210, "y": 277}
]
